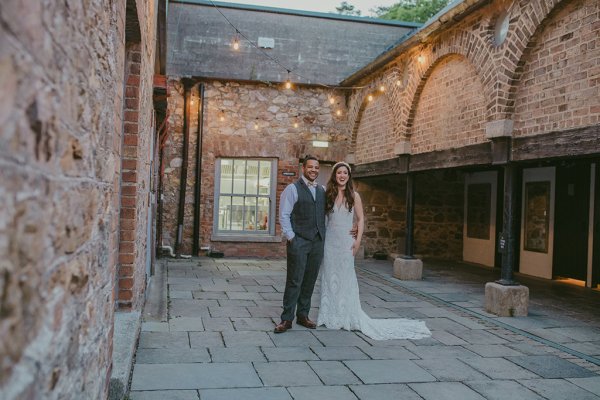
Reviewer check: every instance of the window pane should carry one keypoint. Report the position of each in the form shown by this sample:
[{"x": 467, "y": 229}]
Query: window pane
[
  {"x": 237, "y": 214},
  {"x": 224, "y": 212},
  {"x": 250, "y": 214},
  {"x": 265, "y": 178},
  {"x": 252, "y": 177},
  {"x": 263, "y": 214},
  {"x": 479, "y": 202},
  {"x": 537, "y": 214},
  {"x": 239, "y": 176},
  {"x": 226, "y": 176}
]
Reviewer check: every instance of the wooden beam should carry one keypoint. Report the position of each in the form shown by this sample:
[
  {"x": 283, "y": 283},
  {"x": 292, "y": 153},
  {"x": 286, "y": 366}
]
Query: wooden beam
[
  {"x": 477, "y": 154},
  {"x": 570, "y": 143}
]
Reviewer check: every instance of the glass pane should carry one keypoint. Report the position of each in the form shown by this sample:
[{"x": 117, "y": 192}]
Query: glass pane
[
  {"x": 263, "y": 214},
  {"x": 537, "y": 210},
  {"x": 239, "y": 176},
  {"x": 250, "y": 214},
  {"x": 265, "y": 178},
  {"x": 237, "y": 214},
  {"x": 224, "y": 212},
  {"x": 479, "y": 202},
  {"x": 251, "y": 177},
  {"x": 226, "y": 176}
]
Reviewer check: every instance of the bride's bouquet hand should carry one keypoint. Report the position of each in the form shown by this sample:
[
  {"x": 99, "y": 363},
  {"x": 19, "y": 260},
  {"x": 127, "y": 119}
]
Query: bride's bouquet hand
[{"x": 355, "y": 246}]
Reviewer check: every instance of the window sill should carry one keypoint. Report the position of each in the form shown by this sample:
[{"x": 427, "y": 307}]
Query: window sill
[{"x": 246, "y": 238}]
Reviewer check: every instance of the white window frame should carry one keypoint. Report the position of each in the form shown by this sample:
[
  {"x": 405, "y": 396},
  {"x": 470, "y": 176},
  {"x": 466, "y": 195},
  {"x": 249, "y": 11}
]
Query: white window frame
[{"x": 242, "y": 235}]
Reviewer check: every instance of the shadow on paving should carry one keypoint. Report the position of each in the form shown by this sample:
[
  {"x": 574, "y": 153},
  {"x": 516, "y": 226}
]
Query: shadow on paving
[{"x": 217, "y": 340}]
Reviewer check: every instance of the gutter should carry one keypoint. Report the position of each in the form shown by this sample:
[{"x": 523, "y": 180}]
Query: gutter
[{"x": 448, "y": 16}]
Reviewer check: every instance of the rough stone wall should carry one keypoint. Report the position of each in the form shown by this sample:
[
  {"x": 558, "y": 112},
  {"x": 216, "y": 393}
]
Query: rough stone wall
[
  {"x": 451, "y": 109},
  {"x": 275, "y": 110},
  {"x": 560, "y": 84},
  {"x": 439, "y": 214},
  {"x": 62, "y": 77},
  {"x": 385, "y": 214},
  {"x": 375, "y": 132}
]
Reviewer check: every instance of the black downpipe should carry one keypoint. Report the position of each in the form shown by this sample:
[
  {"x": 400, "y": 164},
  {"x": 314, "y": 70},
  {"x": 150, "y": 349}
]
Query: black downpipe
[
  {"x": 184, "y": 167},
  {"x": 410, "y": 216},
  {"x": 197, "y": 188}
]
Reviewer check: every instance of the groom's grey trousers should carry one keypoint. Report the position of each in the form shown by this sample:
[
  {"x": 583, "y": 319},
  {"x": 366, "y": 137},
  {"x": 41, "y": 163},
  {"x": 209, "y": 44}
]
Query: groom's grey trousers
[{"x": 303, "y": 261}]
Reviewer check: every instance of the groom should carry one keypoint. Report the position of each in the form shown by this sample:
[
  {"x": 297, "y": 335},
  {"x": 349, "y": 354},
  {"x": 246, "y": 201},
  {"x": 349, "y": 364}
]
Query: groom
[{"x": 302, "y": 219}]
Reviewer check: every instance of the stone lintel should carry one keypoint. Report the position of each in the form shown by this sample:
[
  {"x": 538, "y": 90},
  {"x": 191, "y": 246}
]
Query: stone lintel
[
  {"x": 402, "y": 147},
  {"x": 499, "y": 128},
  {"x": 506, "y": 301},
  {"x": 408, "y": 269}
]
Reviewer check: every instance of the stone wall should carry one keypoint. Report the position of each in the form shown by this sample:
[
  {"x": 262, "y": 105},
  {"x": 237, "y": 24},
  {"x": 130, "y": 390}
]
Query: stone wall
[
  {"x": 231, "y": 112},
  {"x": 62, "y": 76}
]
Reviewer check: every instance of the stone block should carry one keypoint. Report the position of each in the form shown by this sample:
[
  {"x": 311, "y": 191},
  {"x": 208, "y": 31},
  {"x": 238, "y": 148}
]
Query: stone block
[
  {"x": 506, "y": 301},
  {"x": 408, "y": 269}
]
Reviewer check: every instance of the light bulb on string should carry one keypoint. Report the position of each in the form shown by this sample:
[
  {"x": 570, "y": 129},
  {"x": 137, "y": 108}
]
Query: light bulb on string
[
  {"x": 370, "y": 98},
  {"x": 256, "y": 123},
  {"x": 295, "y": 124},
  {"x": 398, "y": 82},
  {"x": 222, "y": 116},
  {"x": 236, "y": 41},
  {"x": 338, "y": 112},
  {"x": 288, "y": 82},
  {"x": 382, "y": 88},
  {"x": 331, "y": 100}
]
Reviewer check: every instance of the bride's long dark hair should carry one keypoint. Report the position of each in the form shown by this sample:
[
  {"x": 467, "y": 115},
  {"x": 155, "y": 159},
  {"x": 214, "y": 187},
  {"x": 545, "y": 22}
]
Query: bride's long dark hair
[{"x": 332, "y": 189}]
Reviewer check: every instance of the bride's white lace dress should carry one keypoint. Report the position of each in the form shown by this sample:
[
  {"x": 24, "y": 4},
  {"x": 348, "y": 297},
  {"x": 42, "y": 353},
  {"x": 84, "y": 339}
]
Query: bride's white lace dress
[{"x": 340, "y": 302}]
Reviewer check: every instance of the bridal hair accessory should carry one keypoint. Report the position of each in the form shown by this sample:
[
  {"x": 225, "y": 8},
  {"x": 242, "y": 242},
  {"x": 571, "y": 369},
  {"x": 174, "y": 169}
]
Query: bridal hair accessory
[{"x": 345, "y": 164}]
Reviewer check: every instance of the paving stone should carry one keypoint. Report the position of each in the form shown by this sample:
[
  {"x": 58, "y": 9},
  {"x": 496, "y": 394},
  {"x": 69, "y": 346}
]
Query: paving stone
[
  {"x": 253, "y": 324},
  {"x": 591, "y": 384},
  {"x": 193, "y": 376},
  {"x": 385, "y": 392},
  {"x": 206, "y": 339},
  {"x": 222, "y": 287},
  {"x": 244, "y": 296},
  {"x": 502, "y": 390},
  {"x": 435, "y": 352},
  {"x": 260, "y": 288},
  {"x": 339, "y": 353},
  {"x": 445, "y": 391},
  {"x": 216, "y": 312},
  {"x": 388, "y": 371},
  {"x": 171, "y": 356},
  {"x": 295, "y": 338},
  {"x": 433, "y": 311},
  {"x": 385, "y": 343},
  {"x": 164, "y": 395},
  {"x": 186, "y": 324},
  {"x": 493, "y": 350},
  {"x": 529, "y": 348},
  {"x": 388, "y": 353},
  {"x": 164, "y": 340},
  {"x": 551, "y": 367},
  {"x": 152, "y": 326},
  {"x": 190, "y": 308},
  {"x": 589, "y": 348},
  {"x": 558, "y": 389},
  {"x": 578, "y": 333},
  {"x": 236, "y": 354},
  {"x": 180, "y": 294},
  {"x": 292, "y": 373},
  {"x": 262, "y": 311},
  {"x": 198, "y": 294},
  {"x": 478, "y": 337},
  {"x": 321, "y": 392},
  {"x": 468, "y": 322},
  {"x": 447, "y": 338},
  {"x": 247, "y": 338},
  {"x": 272, "y": 296},
  {"x": 552, "y": 336},
  {"x": 237, "y": 303},
  {"x": 217, "y": 324},
  {"x": 338, "y": 338},
  {"x": 450, "y": 370},
  {"x": 333, "y": 373},
  {"x": 272, "y": 393},
  {"x": 444, "y": 324},
  {"x": 499, "y": 368},
  {"x": 183, "y": 287},
  {"x": 289, "y": 354}
]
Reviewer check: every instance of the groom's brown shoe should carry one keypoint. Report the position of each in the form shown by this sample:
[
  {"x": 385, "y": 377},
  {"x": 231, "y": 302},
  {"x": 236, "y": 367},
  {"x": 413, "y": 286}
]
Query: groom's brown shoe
[
  {"x": 305, "y": 322},
  {"x": 283, "y": 326}
]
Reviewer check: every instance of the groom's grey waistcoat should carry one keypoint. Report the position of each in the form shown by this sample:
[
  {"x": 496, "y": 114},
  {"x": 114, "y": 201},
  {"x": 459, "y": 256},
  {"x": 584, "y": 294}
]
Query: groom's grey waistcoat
[{"x": 308, "y": 215}]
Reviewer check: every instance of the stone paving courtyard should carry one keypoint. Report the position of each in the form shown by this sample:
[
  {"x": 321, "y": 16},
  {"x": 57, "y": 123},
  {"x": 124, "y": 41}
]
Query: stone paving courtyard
[{"x": 216, "y": 341}]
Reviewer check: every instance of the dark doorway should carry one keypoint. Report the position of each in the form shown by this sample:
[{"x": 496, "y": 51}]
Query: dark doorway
[{"x": 571, "y": 220}]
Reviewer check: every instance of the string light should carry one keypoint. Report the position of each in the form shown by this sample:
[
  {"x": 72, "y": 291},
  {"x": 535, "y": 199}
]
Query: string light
[
  {"x": 236, "y": 43},
  {"x": 420, "y": 59},
  {"x": 331, "y": 100},
  {"x": 256, "y": 123},
  {"x": 295, "y": 124},
  {"x": 222, "y": 116},
  {"x": 288, "y": 82},
  {"x": 398, "y": 82},
  {"x": 382, "y": 88},
  {"x": 338, "y": 112},
  {"x": 370, "y": 98}
]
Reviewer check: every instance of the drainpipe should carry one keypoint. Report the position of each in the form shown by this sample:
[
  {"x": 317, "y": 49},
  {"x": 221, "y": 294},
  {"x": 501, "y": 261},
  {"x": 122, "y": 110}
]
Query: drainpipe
[
  {"x": 197, "y": 188},
  {"x": 184, "y": 167},
  {"x": 508, "y": 239},
  {"x": 410, "y": 216}
]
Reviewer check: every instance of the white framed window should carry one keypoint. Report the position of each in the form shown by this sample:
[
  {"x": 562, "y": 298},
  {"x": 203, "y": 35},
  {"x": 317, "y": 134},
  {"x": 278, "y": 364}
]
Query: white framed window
[{"x": 244, "y": 197}]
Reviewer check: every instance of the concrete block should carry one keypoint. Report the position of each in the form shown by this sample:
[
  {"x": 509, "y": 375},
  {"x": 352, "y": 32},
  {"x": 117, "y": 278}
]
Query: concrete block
[
  {"x": 408, "y": 269},
  {"x": 506, "y": 301},
  {"x": 402, "y": 147},
  {"x": 499, "y": 128}
]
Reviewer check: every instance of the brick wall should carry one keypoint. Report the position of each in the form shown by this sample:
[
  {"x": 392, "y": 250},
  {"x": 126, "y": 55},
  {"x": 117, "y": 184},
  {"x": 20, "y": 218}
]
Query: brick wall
[
  {"x": 560, "y": 83},
  {"x": 242, "y": 105},
  {"x": 375, "y": 131},
  {"x": 62, "y": 76}
]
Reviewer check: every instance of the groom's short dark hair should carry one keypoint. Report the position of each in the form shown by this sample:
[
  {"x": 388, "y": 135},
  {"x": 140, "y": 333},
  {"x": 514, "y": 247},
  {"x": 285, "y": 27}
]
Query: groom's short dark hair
[{"x": 309, "y": 157}]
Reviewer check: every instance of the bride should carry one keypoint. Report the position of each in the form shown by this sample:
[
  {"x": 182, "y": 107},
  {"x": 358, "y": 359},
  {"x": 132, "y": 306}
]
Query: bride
[{"x": 340, "y": 302}]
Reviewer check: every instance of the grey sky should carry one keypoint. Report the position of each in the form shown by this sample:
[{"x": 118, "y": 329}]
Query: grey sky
[{"x": 318, "y": 5}]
